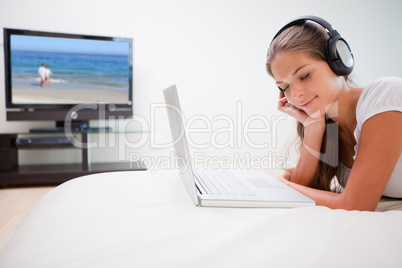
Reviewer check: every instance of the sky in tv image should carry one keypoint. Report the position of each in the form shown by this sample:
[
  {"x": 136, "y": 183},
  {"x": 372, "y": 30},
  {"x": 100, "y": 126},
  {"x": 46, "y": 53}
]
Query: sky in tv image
[{"x": 74, "y": 64}]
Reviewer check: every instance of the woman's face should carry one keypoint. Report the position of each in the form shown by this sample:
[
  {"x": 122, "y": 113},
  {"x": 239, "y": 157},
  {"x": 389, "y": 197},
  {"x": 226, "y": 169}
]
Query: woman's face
[{"x": 308, "y": 83}]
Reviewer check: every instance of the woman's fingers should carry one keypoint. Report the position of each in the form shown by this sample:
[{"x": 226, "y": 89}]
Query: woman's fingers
[{"x": 291, "y": 110}]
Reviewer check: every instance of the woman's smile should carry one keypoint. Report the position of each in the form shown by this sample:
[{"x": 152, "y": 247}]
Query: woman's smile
[{"x": 308, "y": 103}]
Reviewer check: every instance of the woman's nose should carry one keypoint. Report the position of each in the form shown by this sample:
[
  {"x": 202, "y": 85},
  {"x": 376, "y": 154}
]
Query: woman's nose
[{"x": 297, "y": 92}]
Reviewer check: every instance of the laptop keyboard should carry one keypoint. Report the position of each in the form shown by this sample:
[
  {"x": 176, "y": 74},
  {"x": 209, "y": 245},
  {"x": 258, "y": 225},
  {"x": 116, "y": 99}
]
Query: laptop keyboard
[{"x": 221, "y": 183}]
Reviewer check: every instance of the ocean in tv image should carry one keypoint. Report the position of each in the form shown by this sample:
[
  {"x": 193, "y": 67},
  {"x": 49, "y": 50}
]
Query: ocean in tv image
[{"x": 82, "y": 71}]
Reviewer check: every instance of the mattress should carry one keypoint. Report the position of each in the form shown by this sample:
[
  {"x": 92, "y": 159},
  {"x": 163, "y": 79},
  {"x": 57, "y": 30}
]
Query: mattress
[{"x": 144, "y": 219}]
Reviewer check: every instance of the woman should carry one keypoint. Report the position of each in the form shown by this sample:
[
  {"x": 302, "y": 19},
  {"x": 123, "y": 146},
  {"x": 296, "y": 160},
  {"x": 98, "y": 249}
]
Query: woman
[
  {"x": 48, "y": 73},
  {"x": 364, "y": 151}
]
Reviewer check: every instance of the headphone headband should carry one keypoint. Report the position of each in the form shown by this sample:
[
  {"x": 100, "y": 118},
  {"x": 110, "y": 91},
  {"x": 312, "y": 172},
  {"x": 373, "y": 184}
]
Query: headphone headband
[
  {"x": 299, "y": 20},
  {"x": 337, "y": 51}
]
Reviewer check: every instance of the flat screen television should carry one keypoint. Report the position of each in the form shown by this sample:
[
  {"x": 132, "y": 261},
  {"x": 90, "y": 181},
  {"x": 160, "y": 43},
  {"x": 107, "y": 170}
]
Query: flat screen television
[{"x": 67, "y": 77}]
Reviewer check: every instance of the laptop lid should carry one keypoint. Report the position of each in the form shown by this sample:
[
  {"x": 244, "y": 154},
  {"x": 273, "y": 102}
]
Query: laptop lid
[{"x": 176, "y": 122}]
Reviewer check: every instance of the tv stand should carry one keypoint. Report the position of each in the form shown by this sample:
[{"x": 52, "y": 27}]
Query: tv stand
[
  {"x": 62, "y": 129},
  {"x": 47, "y": 130},
  {"x": 13, "y": 174},
  {"x": 74, "y": 126}
]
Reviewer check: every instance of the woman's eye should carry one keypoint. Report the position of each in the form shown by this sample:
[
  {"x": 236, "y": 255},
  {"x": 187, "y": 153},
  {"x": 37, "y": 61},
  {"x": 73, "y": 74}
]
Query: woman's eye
[{"x": 304, "y": 77}]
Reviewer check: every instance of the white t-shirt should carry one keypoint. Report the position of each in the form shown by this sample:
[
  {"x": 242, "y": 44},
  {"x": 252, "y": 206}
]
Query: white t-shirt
[
  {"x": 42, "y": 72},
  {"x": 48, "y": 72},
  {"x": 381, "y": 96}
]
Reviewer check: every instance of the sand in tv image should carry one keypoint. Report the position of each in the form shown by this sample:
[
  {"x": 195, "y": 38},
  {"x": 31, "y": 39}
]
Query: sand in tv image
[{"x": 68, "y": 71}]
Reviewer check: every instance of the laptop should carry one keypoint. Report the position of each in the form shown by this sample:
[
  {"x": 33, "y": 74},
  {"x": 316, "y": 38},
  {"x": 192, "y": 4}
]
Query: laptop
[{"x": 225, "y": 188}]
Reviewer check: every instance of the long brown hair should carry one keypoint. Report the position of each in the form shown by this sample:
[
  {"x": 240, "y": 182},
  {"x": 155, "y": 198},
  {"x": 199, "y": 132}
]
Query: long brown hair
[{"x": 311, "y": 39}]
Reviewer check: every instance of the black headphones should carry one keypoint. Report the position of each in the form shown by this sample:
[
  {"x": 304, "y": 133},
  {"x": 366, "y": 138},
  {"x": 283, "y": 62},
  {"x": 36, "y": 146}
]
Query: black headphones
[{"x": 337, "y": 51}]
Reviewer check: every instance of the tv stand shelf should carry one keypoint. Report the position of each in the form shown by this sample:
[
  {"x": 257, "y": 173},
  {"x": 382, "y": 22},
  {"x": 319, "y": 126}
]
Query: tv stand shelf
[{"x": 13, "y": 174}]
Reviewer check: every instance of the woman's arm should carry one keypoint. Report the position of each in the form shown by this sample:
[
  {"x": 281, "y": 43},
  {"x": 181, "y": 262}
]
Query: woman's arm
[
  {"x": 379, "y": 150},
  {"x": 307, "y": 164},
  {"x": 314, "y": 127}
]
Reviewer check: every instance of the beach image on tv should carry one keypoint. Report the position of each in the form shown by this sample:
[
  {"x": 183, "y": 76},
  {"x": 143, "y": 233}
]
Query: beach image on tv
[{"x": 68, "y": 71}]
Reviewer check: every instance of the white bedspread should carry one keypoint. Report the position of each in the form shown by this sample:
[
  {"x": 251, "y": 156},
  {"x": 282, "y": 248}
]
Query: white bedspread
[{"x": 139, "y": 219}]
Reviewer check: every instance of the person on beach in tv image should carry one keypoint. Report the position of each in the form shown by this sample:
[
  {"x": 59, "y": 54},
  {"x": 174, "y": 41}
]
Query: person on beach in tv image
[
  {"x": 42, "y": 74},
  {"x": 48, "y": 73},
  {"x": 350, "y": 137}
]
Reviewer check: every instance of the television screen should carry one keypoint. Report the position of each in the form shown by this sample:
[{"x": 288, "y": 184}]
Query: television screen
[{"x": 55, "y": 69}]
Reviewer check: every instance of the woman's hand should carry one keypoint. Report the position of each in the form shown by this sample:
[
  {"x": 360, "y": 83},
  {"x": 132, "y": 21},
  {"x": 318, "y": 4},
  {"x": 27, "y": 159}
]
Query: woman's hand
[
  {"x": 300, "y": 115},
  {"x": 285, "y": 176},
  {"x": 288, "y": 108}
]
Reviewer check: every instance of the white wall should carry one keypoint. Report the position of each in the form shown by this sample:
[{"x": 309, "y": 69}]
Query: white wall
[{"x": 214, "y": 50}]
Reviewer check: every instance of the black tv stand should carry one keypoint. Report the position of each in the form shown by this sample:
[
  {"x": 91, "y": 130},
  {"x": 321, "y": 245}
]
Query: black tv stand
[
  {"x": 13, "y": 174},
  {"x": 63, "y": 130},
  {"x": 73, "y": 126},
  {"x": 46, "y": 130}
]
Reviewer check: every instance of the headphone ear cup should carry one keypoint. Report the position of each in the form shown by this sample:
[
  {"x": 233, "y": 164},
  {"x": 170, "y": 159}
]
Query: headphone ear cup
[
  {"x": 339, "y": 56},
  {"x": 344, "y": 53}
]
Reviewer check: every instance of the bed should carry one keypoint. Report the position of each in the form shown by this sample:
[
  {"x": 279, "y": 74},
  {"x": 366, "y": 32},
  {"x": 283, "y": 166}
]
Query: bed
[{"x": 144, "y": 219}]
